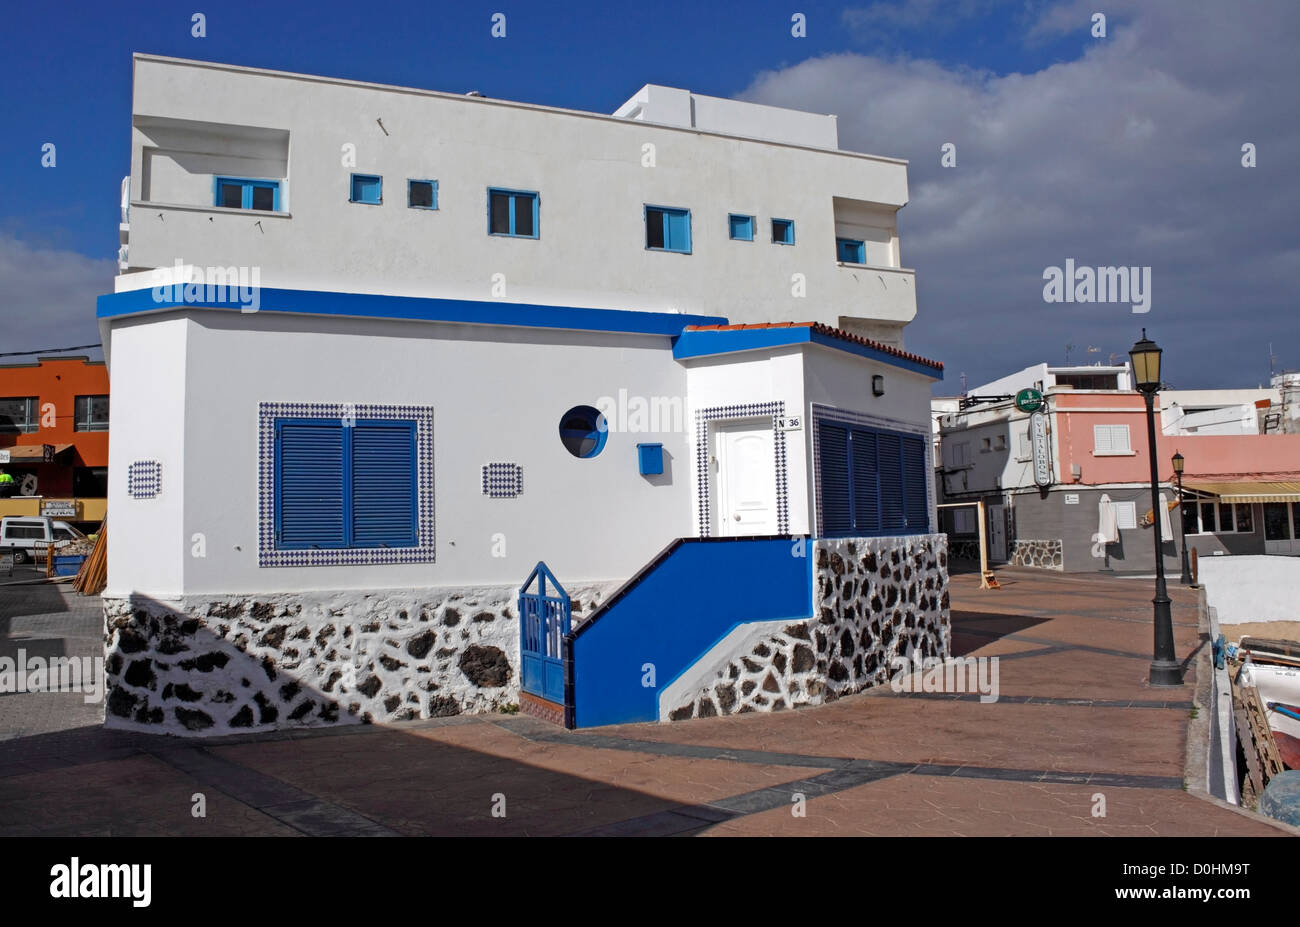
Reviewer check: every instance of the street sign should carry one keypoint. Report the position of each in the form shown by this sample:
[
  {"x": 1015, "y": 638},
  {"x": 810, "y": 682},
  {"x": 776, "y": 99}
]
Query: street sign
[
  {"x": 1042, "y": 449},
  {"x": 60, "y": 508},
  {"x": 4, "y": 457},
  {"x": 1029, "y": 400}
]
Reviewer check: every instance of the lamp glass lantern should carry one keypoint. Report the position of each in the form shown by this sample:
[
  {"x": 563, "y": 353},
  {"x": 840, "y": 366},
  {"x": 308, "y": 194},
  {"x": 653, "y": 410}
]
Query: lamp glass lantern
[
  {"x": 1179, "y": 462},
  {"x": 1146, "y": 364}
]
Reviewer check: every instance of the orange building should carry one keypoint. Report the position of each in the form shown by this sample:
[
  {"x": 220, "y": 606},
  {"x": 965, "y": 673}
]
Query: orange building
[{"x": 54, "y": 438}]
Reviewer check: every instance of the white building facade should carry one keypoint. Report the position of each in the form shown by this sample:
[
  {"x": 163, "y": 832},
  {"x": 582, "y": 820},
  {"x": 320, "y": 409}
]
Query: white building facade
[{"x": 376, "y": 353}]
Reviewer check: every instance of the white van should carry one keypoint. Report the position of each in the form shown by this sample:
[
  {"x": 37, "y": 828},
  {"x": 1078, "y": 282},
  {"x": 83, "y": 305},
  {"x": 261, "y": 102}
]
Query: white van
[{"x": 27, "y": 537}]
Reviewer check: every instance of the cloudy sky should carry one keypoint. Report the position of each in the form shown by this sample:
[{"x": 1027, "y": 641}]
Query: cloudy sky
[
  {"x": 1129, "y": 153},
  {"x": 1116, "y": 150}
]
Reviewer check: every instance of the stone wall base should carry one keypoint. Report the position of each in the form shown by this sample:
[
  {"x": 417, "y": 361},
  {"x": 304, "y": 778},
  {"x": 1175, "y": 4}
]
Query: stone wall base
[
  {"x": 875, "y": 600},
  {"x": 1046, "y": 554},
  {"x": 210, "y": 665}
]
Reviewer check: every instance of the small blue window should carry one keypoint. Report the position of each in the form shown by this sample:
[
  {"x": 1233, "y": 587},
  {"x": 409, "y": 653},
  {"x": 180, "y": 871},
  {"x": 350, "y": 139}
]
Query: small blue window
[
  {"x": 583, "y": 431},
  {"x": 513, "y": 213},
  {"x": 741, "y": 228},
  {"x": 668, "y": 229},
  {"x": 783, "y": 231},
  {"x": 851, "y": 251},
  {"x": 345, "y": 484},
  {"x": 243, "y": 193},
  {"x": 367, "y": 188},
  {"x": 422, "y": 194}
]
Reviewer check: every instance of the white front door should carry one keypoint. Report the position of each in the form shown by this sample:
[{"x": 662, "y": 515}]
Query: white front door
[
  {"x": 744, "y": 474},
  {"x": 997, "y": 533}
]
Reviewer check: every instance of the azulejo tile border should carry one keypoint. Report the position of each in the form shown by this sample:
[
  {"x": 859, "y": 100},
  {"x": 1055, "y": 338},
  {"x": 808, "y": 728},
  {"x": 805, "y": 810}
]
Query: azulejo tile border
[
  {"x": 775, "y": 409},
  {"x": 424, "y": 550}
]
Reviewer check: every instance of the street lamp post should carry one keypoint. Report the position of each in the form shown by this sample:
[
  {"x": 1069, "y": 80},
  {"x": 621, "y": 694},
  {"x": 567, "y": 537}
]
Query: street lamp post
[
  {"x": 1165, "y": 669},
  {"x": 1179, "y": 462}
]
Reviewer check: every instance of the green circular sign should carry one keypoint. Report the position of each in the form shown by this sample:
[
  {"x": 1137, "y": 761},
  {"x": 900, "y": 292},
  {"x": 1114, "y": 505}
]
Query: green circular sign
[{"x": 1029, "y": 400}]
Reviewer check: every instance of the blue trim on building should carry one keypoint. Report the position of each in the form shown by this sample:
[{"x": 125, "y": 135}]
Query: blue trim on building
[
  {"x": 412, "y": 308},
  {"x": 709, "y": 343}
]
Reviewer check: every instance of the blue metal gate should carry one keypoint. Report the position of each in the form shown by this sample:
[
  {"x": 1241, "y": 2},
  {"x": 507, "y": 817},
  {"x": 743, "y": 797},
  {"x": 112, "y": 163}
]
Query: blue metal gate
[{"x": 544, "y": 620}]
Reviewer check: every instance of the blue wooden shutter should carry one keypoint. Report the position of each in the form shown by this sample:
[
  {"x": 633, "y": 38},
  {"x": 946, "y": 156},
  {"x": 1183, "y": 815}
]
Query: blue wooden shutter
[
  {"x": 309, "y": 484},
  {"x": 383, "y": 484},
  {"x": 833, "y": 477},
  {"x": 892, "y": 517},
  {"x": 915, "y": 494},
  {"x": 677, "y": 230},
  {"x": 866, "y": 490}
]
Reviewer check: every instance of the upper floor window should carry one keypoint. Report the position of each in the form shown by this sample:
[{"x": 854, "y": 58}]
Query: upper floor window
[
  {"x": 783, "y": 231},
  {"x": 851, "y": 250},
  {"x": 740, "y": 228},
  {"x": 668, "y": 229},
  {"x": 243, "y": 193},
  {"x": 18, "y": 416},
  {"x": 422, "y": 194},
  {"x": 1110, "y": 440},
  {"x": 367, "y": 188},
  {"x": 90, "y": 413},
  {"x": 513, "y": 213}
]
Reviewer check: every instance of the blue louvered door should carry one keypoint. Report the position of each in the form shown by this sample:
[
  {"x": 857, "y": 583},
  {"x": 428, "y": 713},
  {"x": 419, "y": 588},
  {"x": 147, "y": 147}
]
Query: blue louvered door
[{"x": 871, "y": 482}]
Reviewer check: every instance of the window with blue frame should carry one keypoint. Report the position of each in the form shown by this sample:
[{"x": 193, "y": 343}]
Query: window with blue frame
[
  {"x": 783, "y": 231},
  {"x": 740, "y": 228},
  {"x": 422, "y": 194},
  {"x": 668, "y": 229},
  {"x": 851, "y": 250},
  {"x": 367, "y": 188},
  {"x": 243, "y": 193},
  {"x": 512, "y": 213},
  {"x": 872, "y": 481},
  {"x": 345, "y": 484}
]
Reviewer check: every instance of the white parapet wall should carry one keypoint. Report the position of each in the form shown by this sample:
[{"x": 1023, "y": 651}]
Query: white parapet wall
[{"x": 1243, "y": 589}]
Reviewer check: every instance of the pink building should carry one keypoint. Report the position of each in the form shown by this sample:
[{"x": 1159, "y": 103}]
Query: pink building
[{"x": 1241, "y": 491}]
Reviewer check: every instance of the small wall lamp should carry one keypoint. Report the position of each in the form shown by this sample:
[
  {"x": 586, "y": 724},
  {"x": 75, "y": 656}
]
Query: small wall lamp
[{"x": 877, "y": 385}]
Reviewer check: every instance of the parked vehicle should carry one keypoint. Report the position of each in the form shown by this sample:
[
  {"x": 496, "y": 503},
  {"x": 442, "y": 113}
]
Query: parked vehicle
[{"x": 29, "y": 537}]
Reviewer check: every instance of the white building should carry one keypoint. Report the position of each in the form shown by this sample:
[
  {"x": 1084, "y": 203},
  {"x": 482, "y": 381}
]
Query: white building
[{"x": 377, "y": 352}]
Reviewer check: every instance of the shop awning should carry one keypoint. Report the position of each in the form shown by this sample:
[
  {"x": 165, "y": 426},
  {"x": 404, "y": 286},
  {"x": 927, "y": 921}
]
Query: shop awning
[
  {"x": 1284, "y": 491},
  {"x": 32, "y": 453}
]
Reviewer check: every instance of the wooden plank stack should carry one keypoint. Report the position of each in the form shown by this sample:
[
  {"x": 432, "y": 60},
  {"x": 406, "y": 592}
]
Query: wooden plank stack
[{"x": 93, "y": 575}]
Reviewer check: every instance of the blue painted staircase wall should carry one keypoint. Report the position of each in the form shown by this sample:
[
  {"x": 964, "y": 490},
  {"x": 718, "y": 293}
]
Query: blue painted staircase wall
[{"x": 673, "y": 611}]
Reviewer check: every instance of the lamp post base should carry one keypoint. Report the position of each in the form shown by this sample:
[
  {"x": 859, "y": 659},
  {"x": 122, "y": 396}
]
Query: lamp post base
[{"x": 1166, "y": 673}]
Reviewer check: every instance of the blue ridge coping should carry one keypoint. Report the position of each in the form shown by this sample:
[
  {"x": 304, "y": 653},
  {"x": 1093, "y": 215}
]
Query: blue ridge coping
[
  {"x": 412, "y": 308},
  {"x": 711, "y": 343}
]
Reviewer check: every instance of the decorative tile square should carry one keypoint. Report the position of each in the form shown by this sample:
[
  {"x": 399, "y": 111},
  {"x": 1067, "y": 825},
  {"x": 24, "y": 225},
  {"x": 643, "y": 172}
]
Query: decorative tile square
[
  {"x": 503, "y": 480},
  {"x": 144, "y": 479}
]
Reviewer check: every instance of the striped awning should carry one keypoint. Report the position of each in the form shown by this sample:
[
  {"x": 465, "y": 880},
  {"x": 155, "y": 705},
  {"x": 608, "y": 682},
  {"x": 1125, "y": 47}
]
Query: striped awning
[{"x": 1284, "y": 491}]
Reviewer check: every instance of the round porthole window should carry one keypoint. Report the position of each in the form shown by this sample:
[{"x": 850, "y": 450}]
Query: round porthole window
[{"x": 583, "y": 431}]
